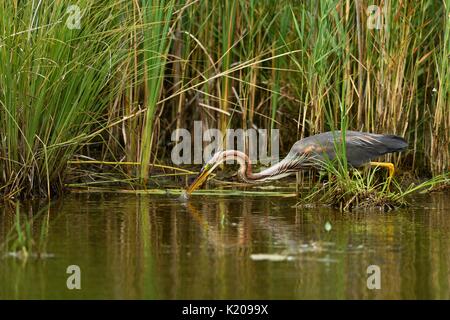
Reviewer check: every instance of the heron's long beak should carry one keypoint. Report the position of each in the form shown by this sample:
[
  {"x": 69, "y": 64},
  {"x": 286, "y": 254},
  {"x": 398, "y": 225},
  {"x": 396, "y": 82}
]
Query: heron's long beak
[{"x": 201, "y": 178}]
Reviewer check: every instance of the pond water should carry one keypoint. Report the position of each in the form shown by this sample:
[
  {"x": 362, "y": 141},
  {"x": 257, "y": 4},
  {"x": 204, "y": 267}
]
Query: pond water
[{"x": 227, "y": 247}]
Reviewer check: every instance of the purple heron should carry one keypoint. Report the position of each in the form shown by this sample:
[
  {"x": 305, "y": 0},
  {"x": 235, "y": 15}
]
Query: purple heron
[{"x": 311, "y": 152}]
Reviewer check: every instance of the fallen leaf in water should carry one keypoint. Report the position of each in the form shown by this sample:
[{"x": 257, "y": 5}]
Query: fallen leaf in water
[{"x": 270, "y": 257}]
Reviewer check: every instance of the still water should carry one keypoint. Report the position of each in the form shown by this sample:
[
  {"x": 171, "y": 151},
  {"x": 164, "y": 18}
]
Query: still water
[{"x": 154, "y": 247}]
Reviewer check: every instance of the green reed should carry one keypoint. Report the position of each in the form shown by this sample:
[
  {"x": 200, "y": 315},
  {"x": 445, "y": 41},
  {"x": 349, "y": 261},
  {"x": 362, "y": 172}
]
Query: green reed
[
  {"x": 55, "y": 83},
  {"x": 157, "y": 19},
  {"x": 117, "y": 87}
]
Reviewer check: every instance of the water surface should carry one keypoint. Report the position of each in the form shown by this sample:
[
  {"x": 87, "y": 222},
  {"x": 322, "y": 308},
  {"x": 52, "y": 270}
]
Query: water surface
[{"x": 154, "y": 247}]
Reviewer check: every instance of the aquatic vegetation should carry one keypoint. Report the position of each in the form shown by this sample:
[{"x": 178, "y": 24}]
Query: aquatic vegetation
[
  {"x": 23, "y": 241},
  {"x": 356, "y": 190},
  {"x": 157, "y": 14},
  {"x": 110, "y": 83},
  {"x": 348, "y": 188},
  {"x": 56, "y": 81}
]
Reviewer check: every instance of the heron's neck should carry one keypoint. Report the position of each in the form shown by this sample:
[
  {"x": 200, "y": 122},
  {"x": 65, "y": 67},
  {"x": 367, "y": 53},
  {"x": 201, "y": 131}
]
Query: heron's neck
[{"x": 245, "y": 167}]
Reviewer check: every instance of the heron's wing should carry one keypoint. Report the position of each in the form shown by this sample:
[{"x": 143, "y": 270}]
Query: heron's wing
[
  {"x": 364, "y": 147},
  {"x": 361, "y": 148}
]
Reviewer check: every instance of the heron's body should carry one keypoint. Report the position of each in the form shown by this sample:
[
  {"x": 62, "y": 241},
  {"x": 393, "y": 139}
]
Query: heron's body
[
  {"x": 360, "y": 147},
  {"x": 313, "y": 152}
]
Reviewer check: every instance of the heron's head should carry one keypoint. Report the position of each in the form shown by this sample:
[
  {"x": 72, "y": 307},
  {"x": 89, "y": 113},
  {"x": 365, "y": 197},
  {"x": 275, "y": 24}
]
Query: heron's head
[{"x": 207, "y": 169}]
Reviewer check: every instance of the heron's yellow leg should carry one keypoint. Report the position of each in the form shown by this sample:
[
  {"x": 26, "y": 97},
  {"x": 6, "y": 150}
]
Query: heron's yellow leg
[{"x": 388, "y": 165}]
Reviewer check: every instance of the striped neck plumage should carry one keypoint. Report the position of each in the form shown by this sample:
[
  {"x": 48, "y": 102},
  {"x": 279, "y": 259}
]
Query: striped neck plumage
[{"x": 245, "y": 172}]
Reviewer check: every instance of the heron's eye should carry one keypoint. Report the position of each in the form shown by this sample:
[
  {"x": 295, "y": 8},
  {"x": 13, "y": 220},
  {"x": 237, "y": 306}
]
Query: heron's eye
[{"x": 205, "y": 167}]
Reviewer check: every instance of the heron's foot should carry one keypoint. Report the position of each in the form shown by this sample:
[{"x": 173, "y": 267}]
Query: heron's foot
[{"x": 387, "y": 165}]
